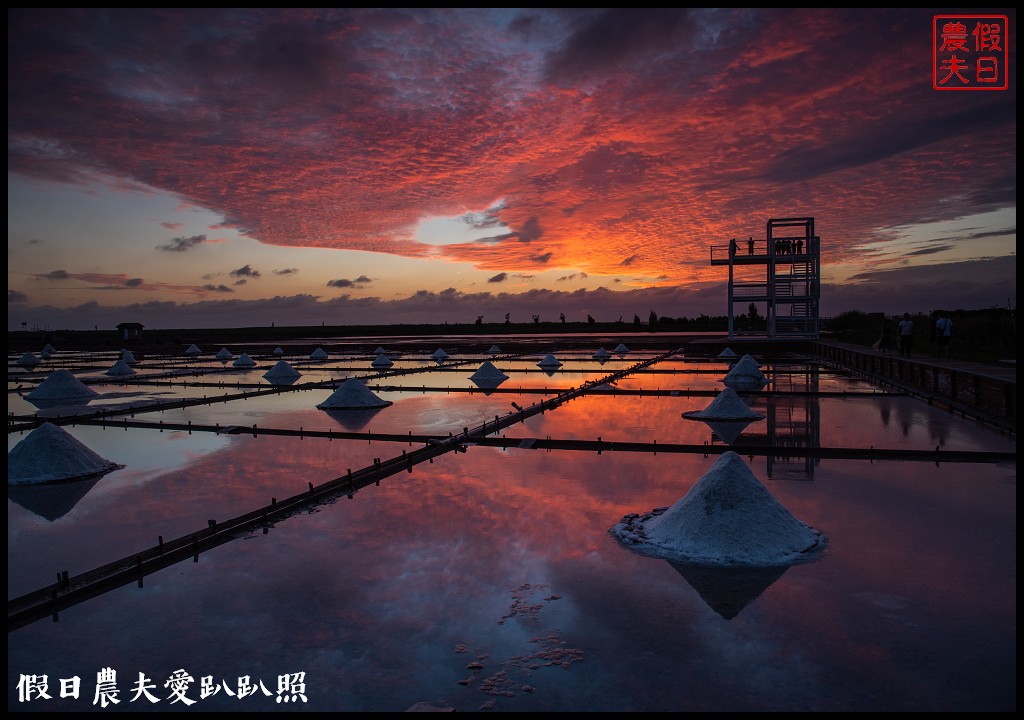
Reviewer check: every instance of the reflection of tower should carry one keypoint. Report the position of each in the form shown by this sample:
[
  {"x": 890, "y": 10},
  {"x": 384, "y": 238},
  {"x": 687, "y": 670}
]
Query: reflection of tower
[
  {"x": 727, "y": 590},
  {"x": 793, "y": 419}
]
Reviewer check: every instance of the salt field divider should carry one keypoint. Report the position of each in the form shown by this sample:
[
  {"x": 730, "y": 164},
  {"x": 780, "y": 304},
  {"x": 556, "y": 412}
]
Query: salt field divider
[{"x": 71, "y": 590}]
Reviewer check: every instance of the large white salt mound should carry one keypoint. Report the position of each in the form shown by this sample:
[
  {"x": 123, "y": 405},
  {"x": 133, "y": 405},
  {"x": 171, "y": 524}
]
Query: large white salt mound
[
  {"x": 28, "y": 359},
  {"x": 352, "y": 394},
  {"x": 727, "y": 405},
  {"x": 382, "y": 361},
  {"x": 281, "y": 371},
  {"x": 550, "y": 361},
  {"x": 60, "y": 385},
  {"x": 318, "y": 354},
  {"x": 728, "y": 519},
  {"x": 621, "y": 348},
  {"x": 51, "y": 454},
  {"x": 488, "y": 373},
  {"x": 745, "y": 374},
  {"x": 193, "y": 349},
  {"x": 224, "y": 354},
  {"x": 440, "y": 354},
  {"x": 244, "y": 361},
  {"x": 120, "y": 368}
]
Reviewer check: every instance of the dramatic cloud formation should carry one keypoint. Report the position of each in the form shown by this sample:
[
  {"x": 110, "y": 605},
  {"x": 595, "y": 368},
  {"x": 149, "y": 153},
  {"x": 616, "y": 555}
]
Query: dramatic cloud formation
[
  {"x": 181, "y": 244},
  {"x": 615, "y": 145}
]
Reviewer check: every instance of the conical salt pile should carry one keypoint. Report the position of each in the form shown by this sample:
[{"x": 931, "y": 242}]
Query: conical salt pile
[
  {"x": 549, "y": 361},
  {"x": 28, "y": 360},
  {"x": 244, "y": 361},
  {"x": 382, "y": 361},
  {"x": 120, "y": 368},
  {"x": 193, "y": 349},
  {"x": 50, "y": 454},
  {"x": 128, "y": 358},
  {"x": 379, "y": 351},
  {"x": 728, "y": 519},
  {"x": 352, "y": 394},
  {"x": 488, "y": 373},
  {"x": 282, "y": 371},
  {"x": 440, "y": 354},
  {"x": 602, "y": 354},
  {"x": 49, "y": 349},
  {"x": 621, "y": 349},
  {"x": 318, "y": 354},
  {"x": 727, "y": 405},
  {"x": 224, "y": 354},
  {"x": 61, "y": 385},
  {"x": 494, "y": 350},
  {"x": 745, "y": 374},
  {"x": 278, "y": 351},
  {"x": 727, "y": 353}
]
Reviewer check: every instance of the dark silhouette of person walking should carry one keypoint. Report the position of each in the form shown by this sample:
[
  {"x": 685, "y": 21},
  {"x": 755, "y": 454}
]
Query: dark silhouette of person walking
[
  {"x": 906, "y": 335},
  {"x": 943, "y": 334}
]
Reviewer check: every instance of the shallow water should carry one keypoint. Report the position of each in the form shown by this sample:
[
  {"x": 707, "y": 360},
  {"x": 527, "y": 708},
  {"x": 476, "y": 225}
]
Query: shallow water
[{"x": 503, "y": 558}]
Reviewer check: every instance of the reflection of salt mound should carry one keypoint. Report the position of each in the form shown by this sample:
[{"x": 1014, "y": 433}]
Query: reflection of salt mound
[
  {"x": 352, "y": 394},
  {"x": 128, "y": 358},
  {"x": 603, "y": 388},
  {"x": 224, "y": 354},
  {"x": 728, "y": 519},
  {"x": 440, "y": 354},
  {"x": 746, "y": 374},
  {"x": 193, "y": 350},
  {"x": 727, "y": 353},
  {"x": 621, "y": 349},
  {"x": 727, "y": 405},
  {"x": 488, "y": 373},
  {"x": 120, "y": 369},
  {"x": 282, "y": 371},
  {"x": 52, "y": 501},
  {"x": 61, "y": 385},
  {"x": 318, "y": 354},
  {"x": 727, "y": 590},
  {"x": 51, "y": 454},
  {"x": 494, "y": 350},
  {"x": 28, "y": 360},
  {"x": 550, "y": 361},
  {"x": 602, "y": 354},
  {"x": 382, "y": 361},
  {"x": 278, "y": 352},
  {"x": 244, "y": 361}
]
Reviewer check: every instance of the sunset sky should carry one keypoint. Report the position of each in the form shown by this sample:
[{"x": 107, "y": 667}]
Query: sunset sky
[{"x": 237, "y": 167}]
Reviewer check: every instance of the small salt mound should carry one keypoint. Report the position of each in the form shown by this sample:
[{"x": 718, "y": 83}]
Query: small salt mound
[
  {"x": 28, "y": 359},
  {"x": 318, "y": 354},
  {"x": 244, "y": 361},
  {"x": 440, "y": 354},
  {"x": 60, "y": 385},
  {"x": 728, "y": 519},
  {"x": 281, "y": 371},
  {"x": 727, "y": 353},
  {"x": 379, "y": 351},
  {"x": 278, "y": 351},
  {"x": 494, "y": 350},
  {"x": 602, "y": 388},
  {"x": 224, "y": 354},
  {"x": 352, "y": 394},
  {"x": 129, "y": 359},
  {"x": 120, "y": 368},
  {"x": 382, "y": 361},
  {"x": 602, "y": 354},
  {"x": 745, "y": 374},
  {"x": 621, "y": 348},
  {"x": 488, "y": 373},
  {"x": 51, "y": 454},
  {"x": 727, "y": 405},
  {"x": 50, "y": 349},
  {"x": 550, "y": 361},
  {"x": 193, "y": 349}
]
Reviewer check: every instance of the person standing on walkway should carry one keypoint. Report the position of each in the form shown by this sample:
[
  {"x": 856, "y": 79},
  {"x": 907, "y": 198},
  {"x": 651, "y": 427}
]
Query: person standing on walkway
[
  {"x": 943, "y": 334},
  {"x": 906, "y": 335}
]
